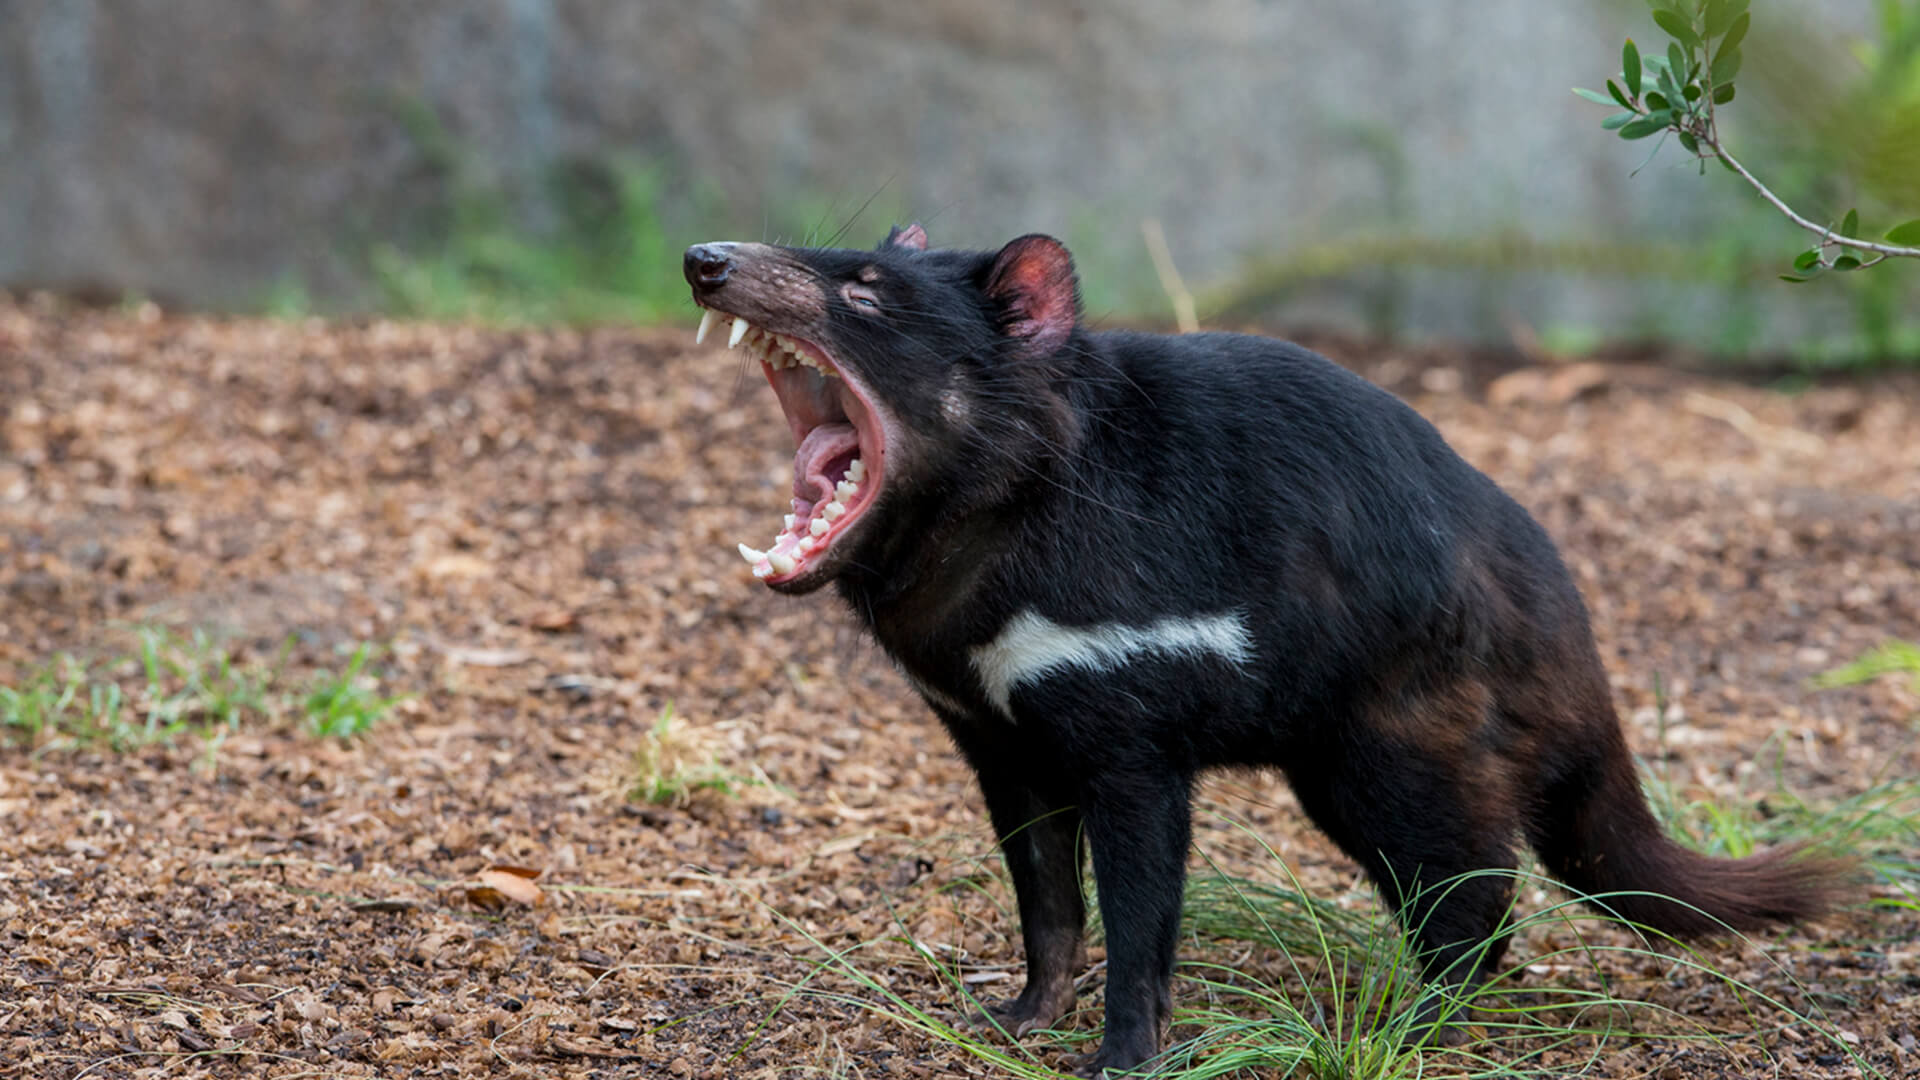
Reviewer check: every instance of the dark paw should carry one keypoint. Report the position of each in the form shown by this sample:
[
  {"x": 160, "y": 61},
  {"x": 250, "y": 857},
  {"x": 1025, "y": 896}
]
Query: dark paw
[
  {"x": 1024, "y": 1014},
  {"x": 1111, "y": 1063}
]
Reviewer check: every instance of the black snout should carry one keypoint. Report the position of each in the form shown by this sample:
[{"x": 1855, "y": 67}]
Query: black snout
[{"x": 707, "y": 265}]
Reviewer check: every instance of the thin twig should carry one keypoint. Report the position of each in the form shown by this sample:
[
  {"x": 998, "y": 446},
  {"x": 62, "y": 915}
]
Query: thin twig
[
  {"x": 1828, "y": 237},
  {"x": 1170, "y": 280}
]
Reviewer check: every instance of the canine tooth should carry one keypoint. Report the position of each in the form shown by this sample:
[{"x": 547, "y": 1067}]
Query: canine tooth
[
  {"x": 790, "y": 520},
  {"x": 740, "y": 329},
  {"x": 751, "y": 555},
  {"x": 707, "y": 319},
  {"x": 819, "y": 525},
  {"x": 781, "y": 563},
  {"x": 856, "y": 470},
  {"x": 833, "y": 510},
  {"x": 846, "y": 489}
]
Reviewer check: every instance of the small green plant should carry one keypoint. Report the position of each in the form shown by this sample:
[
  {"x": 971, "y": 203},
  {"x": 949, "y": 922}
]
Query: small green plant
[
  {"x": 172, "y": 685},
  {"x": 60, "y": 700},
  {"x": 587, "y": 241},
  {"x": 345, "y": 703},
  {"x": 1891, "y": 658},
  {"x": 673, "y": 763},
  {"x": 1679, "y": 90}
]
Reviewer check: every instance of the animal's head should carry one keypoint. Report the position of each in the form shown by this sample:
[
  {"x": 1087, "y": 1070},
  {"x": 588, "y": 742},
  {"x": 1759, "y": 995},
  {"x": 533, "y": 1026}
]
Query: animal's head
[{"x": 918, "y": 383}]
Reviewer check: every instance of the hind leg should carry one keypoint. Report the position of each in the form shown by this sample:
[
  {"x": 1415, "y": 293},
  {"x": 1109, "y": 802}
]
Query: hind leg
[{"x": 1435, "y": 833}]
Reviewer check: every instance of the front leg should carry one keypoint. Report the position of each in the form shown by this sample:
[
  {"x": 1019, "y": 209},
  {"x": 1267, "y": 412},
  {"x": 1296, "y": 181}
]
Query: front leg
[
  {"x": 1040, "y": 840},
  {"x": 1138, "y": 823}
]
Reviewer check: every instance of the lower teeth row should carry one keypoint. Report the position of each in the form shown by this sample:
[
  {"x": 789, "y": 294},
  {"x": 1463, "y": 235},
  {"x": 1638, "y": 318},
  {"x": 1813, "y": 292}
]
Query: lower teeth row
[{"x": 770, "y": 562}]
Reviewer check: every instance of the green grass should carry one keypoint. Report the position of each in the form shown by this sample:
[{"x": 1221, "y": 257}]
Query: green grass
[
  {"x": 1278, "y": 983},
  {"x": 1274, "y": 984},
  {"x": 170, "y": 685},
  {"x": 674, "y": 763},
  {"x": 345, "y": 703},
  {"x": 1891, "y": 658}
]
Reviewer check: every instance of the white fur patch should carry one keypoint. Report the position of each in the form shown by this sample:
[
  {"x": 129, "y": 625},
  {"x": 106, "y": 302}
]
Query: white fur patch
[{"x": 1030, "y": 647}]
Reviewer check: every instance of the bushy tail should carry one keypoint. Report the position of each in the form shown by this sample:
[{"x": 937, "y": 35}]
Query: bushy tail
[{"x": 1595, "y": 832}]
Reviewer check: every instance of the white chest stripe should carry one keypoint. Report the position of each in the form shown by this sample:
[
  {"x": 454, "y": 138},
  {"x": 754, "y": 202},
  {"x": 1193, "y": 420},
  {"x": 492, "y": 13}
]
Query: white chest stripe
[{"x": 1030, "y": 647}]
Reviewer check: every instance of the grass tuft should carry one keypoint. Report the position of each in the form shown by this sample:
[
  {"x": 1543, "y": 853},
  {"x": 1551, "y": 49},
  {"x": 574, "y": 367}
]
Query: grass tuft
[
  {"x": 172, "y": 685},
  {"x": 1280, "y": 984},
  {"x": 1891, "y": 658},
  {"x": 675, "y": 762},
  {"x": 346, "y": 703}
]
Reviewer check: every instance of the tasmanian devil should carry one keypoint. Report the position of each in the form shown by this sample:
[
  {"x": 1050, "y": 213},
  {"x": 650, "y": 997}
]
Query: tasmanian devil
[{"x": 1111, "y": 560}]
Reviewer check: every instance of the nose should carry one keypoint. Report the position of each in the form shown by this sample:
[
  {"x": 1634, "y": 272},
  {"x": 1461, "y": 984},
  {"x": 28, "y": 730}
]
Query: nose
[{"x": 707, "y": 265}]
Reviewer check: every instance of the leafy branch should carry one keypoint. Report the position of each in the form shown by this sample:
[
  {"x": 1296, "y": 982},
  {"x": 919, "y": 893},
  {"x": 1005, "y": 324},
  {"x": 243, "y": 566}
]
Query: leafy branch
[{"x": 1680, "y": 91}]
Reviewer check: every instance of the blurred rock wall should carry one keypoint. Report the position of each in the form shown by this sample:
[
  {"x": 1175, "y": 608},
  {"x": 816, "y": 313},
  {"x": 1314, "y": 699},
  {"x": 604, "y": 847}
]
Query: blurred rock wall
[{"x": 200, "y": 150}]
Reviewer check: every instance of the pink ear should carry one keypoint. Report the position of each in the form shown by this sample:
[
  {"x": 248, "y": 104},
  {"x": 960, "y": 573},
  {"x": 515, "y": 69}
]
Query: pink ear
[
  {"x": 1032, "y": 278},
  {"x": 909, "y": 236}
]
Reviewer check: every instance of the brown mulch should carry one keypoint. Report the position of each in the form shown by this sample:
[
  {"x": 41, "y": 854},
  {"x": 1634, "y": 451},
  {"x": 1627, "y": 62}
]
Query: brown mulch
[{"x": 541, "y": 526}]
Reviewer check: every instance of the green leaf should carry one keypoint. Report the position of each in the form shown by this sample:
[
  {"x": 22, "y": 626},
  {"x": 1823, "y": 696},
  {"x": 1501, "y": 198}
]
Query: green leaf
[
  {"x": 1907, "y": 232},
  {"x": 1687, "y": 140},
  {"x": 1619, "y": 95},
  {"x": 1643, "y": 127},
  {"x": 1850, "y": 225},
  {"x": 1630, "y": 63},
  {"x": 1677, "y": 62},
  {"x": 1718, "y": 14},
  {"x": 1795, "y": 280},
  {"x": 1658, "y": 101},
  {"x": 1669, "y": 88},
  {"x": 1596, "y": 98},
  {"x": 1725, "y": 67},
  {"x": 1722, "y": 93},
  {"x": 1692, "y": 90},
  {"x": 1807, "y": 260},
  {"x": 1617, "y": 119},
  {"x": 1678, "y": 28},
  {"x": 1846, "y": 262},
  {"x": 1736, "y": 32}
]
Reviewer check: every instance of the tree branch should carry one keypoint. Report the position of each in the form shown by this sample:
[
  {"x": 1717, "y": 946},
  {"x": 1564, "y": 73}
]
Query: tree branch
[{"x": 1828, "y": 237}]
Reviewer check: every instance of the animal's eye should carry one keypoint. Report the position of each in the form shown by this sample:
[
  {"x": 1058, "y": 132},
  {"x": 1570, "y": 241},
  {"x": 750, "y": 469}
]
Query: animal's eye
[{"x": 863, "y": 299}]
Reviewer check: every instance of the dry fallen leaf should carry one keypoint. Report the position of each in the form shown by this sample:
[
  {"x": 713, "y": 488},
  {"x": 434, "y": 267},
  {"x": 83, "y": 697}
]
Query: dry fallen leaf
[
  {"x": 512, "y": 883},
  {"x": 486, "y": 899},
  {"x": 458, "y": 564},
  {"x": 554, "y": 622}
]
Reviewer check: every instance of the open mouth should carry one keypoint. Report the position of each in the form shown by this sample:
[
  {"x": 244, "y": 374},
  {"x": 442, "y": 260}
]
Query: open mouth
[{"x": 839, "y": 456}]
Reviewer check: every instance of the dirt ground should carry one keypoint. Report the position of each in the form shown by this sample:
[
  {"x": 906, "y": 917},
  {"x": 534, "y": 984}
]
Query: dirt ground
[{"x": 541, "y": 527}]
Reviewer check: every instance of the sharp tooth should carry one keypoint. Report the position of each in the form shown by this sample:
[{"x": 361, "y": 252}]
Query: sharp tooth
[
  {"x": 856, "y": 470},
  {"x": 781, "y": 563},
  {"x": 763, "y": 571},
  {"x": 846, "y": 489},
  {"x": 751, "y": 555},
  {"x": 790, "y": 520},
  {"x": 832, "y": 511},
  {"x": 740, "y": 329},
  {"x": 707, "y": 319},
  {"x": 819, "y": 525}
]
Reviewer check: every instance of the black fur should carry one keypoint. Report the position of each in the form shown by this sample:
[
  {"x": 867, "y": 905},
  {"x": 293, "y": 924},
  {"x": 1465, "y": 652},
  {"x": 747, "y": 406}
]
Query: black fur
[{"x": 1422, "y": 666}]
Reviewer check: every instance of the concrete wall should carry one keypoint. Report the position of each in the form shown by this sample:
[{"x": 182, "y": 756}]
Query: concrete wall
[{"x": 198, "y": 150}]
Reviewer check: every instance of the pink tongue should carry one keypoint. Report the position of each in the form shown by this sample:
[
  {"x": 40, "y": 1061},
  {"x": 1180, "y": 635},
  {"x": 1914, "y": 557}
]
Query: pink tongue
[{"x": 821, "y": 445}]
